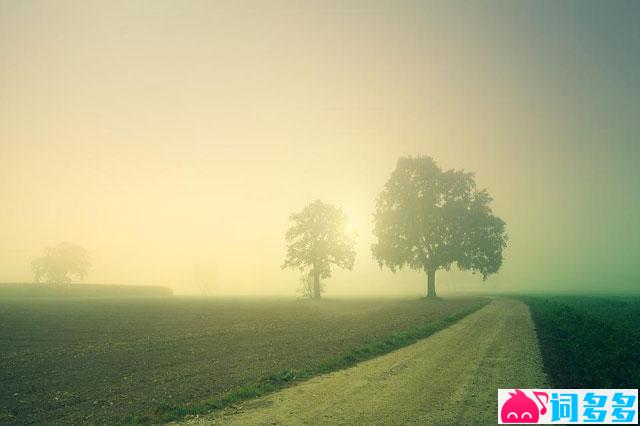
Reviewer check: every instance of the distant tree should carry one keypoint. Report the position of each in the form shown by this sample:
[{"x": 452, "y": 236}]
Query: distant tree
[
  {"x": 427, "y": 219},
  {"x": 307, "y": 285},
  {"x": 61, "y": 262},
  {"x": 204, "y": 276},
  {"x": 318, "y": 238}
]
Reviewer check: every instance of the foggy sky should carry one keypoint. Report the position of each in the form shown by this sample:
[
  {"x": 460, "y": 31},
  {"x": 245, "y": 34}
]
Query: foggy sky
[{"x": 172, "y": 139}]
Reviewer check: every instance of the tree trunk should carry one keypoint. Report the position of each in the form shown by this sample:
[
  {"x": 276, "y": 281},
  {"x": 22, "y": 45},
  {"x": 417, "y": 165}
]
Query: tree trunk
[
  {"x": 431, "y": 284},
  {"x": 316, "y": 285}
]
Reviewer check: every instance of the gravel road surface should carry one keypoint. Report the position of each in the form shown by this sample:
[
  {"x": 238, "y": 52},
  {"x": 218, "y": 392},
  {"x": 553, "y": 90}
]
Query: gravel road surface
[{"x": 450, "y": 378}]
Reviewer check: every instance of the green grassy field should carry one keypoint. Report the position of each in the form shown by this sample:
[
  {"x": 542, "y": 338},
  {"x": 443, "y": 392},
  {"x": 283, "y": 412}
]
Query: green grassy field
[
  {"x": 71, "y": 361},
  {"x": 589, "y": 342}
]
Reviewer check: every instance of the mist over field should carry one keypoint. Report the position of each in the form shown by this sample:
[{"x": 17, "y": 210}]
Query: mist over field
[
  {"x": 319, "y": 212},
  {"x": 173, "y": 140}
]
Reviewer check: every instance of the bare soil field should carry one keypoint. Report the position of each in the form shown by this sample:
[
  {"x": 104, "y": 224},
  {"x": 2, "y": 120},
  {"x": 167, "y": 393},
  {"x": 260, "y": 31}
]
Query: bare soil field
[{"x": 75, "y": 361}]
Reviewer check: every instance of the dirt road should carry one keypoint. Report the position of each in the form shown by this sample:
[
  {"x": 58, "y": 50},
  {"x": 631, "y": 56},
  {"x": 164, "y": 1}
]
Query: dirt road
[{"x": 450, "y": 378}]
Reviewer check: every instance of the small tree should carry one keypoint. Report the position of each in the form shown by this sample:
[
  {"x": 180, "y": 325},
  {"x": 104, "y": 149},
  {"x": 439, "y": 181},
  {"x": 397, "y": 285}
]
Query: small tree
[
  {"x": 428, "y": 219},
  {"x": 318, "y": 238},
  {"x": 60, "y": 262}
]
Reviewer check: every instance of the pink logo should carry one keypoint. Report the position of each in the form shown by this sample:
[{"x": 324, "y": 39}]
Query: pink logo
[{"x": 519, "y": 408}]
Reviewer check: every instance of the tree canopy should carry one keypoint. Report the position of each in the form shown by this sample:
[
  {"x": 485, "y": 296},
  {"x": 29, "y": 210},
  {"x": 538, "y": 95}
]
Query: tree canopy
[
  {"x": 60, "y": 262},
  {"x": 318, "y": 238},
  {"x": 428, "y": 219}
]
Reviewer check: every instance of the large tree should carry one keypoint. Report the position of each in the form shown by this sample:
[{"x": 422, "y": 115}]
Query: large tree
[
  {"x": 428, "y": 219},
  {"x": 318, "y": 238},
  {"x": 60, "y": 262}
]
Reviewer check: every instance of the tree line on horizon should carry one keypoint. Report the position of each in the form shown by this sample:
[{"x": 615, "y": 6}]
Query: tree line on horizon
[{"x": 425, "y": 219}]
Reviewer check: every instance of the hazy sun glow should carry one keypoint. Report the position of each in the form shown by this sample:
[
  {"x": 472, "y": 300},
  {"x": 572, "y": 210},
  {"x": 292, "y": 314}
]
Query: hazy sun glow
[{"x": 173, "y": 140}]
